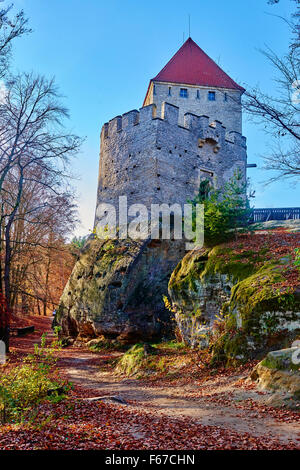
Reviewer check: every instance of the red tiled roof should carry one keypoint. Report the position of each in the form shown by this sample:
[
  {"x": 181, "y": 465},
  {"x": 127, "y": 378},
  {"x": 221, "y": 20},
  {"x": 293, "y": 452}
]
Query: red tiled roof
[{"x": 190, "y": 65}]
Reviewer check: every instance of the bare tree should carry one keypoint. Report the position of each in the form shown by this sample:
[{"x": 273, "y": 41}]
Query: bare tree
[
  {"x": 31, "y": 143},
  {"x": 35, "y": 151},
  {"x": 40, "y": 258},
  {"x": 280, "y": 114},
  {"x": 10, "y": 29}
]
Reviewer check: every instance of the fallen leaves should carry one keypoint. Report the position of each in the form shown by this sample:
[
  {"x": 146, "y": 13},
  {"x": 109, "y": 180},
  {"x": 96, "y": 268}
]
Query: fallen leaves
[
  {"x": 75, "y": 424},
  {"x": 78, "y": 425}
]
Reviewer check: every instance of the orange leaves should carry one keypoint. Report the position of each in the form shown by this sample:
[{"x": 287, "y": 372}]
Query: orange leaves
[
  {"x": 276, "y": 246},
  {"x": 87, "y": 428},
  {"x": 75, "y": 424},
  {"x": 4, "y": 312}
]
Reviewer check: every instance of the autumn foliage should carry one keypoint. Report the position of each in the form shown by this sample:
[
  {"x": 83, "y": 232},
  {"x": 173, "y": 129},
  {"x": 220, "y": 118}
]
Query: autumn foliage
[{"x": 4, "y": 312}]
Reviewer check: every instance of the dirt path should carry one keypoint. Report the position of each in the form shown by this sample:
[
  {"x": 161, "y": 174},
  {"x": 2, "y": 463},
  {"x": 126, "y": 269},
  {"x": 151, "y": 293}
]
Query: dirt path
[
  {"x": 217, "y": 402},
  {"x": 221, "y": 401}
]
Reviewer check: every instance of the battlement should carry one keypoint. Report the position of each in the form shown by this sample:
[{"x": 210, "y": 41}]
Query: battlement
[
  {"x": 158, "y": 158},
  {"x": 204, "y": 126}
]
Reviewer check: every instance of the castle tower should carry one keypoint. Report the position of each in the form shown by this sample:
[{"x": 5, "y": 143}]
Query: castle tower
[
  {"x": 196, "y": 84},
  {"x": 188, "y": 129}
]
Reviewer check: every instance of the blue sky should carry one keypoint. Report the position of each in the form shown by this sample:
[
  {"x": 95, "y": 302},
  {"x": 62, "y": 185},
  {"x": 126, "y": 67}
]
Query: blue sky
[{"x": 103, "y": 54}]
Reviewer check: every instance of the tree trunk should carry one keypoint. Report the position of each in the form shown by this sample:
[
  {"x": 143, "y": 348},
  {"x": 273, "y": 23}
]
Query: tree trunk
[{"x": 47, "y": 279}]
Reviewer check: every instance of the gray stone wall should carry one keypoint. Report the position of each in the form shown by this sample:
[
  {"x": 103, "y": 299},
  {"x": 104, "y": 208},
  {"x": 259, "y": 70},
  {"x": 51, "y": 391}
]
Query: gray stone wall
[
  {"x": 153, "y": 159},
  {"x": 226, "y": 108}
]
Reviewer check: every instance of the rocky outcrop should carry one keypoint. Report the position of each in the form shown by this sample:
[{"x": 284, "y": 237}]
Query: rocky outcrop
[
  {"x": 279, "y": 372},
  {"x": 246, "y": 299},
  {"x": 116, "y": 290},
  {"x": 197, "y": 296}
]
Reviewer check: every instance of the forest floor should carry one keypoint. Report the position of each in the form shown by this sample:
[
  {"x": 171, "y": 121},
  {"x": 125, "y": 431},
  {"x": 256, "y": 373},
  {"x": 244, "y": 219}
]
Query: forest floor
[{"x": 189, "y": 410}]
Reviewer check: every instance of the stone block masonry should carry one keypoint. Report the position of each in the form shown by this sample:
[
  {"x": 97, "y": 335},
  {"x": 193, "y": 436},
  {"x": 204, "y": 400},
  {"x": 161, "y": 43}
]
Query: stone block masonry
[
  {"x": 226, "y": 105},
  {"x": 151, "y": 158}
]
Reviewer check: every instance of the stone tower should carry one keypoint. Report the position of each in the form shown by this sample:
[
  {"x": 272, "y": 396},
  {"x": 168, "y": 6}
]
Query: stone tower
[
  {"x": 188, "y": 129},
  {"x": 194, "y": 83}
]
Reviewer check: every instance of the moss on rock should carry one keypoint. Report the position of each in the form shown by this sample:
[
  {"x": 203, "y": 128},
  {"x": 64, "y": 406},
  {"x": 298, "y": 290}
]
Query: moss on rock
[
  {"x": 247, "y": 287},
  {"x": 280, "y": 373},
  {"x": 116, "y": 290},
  {"x": 134, "y": 359}
]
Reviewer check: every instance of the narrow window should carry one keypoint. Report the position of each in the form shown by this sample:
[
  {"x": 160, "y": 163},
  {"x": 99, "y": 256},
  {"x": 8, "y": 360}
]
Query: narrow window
[
  {"x": 183, "y": 93},
  {"x": 211, "y": 96},
  {"x": 198, "y": 95},
  {"x": 154, "y": 90},
  {"x": 225, "y": 97},
  {"x": 169, "y": 91}
]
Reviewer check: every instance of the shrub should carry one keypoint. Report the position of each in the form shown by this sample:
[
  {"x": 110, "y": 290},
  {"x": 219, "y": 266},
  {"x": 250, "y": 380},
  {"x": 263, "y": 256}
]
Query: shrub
[
  {"x": 225, "y": 212},
  {"x": 20, "y": 388},
  {"x": 24, "y": 386},
  {"x": 297, "y": 257}
]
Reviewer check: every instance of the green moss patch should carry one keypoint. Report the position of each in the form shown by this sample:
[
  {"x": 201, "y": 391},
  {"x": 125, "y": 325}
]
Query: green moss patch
[
  {"x": 237, "y": 266},
  {"x": 198, "y": 265},
  {"x": 258, "y": 294},
  {"x": 188, "y": 271},
  {"x": 144, "y": 360},
  {"x": 258, "y": 275},
  {"x": 280, "y": 360},
  {"x": 134, "y": 360}
]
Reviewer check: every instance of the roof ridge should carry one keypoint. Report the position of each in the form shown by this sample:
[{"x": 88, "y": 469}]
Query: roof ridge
[
  {"x": 173, "y": 57},
  {"x": 203, "y": 69}
]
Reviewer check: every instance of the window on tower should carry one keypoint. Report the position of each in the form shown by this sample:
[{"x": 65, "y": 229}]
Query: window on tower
[
  {"x": 198, "y": 95},
  {"x": 183, "y": 93},
  {"x": 169, "y": 91},
  {"x": 211, "y": 96}
]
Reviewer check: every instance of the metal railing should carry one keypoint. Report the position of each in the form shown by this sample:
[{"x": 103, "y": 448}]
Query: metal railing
[{"x": 281, "y": 213}]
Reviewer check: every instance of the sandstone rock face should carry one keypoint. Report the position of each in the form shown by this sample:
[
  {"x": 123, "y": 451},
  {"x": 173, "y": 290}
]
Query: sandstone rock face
[
  {"x": 279, "y": 372},
  {"x": 241, "y": 286},
  {"x": 197, "y": 299},
  {"x": 116, "y": 290}
]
